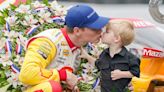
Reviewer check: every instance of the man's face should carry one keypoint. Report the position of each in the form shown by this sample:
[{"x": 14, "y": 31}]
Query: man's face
[{"x": 90, "y": 35}]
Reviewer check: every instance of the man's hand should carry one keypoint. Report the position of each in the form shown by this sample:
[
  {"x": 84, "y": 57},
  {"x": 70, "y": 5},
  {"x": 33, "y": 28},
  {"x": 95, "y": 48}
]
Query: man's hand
[
  {"x": 71, "y": 80},
  {"x": 116, "y": 74},
  {"x": 75, "y": 89}
]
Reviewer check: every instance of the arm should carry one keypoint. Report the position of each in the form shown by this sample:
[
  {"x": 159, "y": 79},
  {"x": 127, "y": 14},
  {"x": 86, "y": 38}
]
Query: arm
[
  {"x": 134, "y": 66},
  {"x": 85, "y": 55},
  {"x": 134, "y": 70},
  {"x": 118, "y": 74},
  {"x": 39, "y": 55},
  {"x": 126, "y": 74}
]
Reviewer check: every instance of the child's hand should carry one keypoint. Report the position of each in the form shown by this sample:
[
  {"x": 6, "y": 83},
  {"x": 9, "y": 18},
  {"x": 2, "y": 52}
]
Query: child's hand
[
  {"x": 116, "y": 74},
  {"x": 130, "y": 87},
  {"x": 84, "y": 53}
]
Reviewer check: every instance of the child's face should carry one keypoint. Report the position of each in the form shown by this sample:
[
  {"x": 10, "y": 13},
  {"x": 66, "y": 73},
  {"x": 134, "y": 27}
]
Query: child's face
[{"x": 108, "y": 37}]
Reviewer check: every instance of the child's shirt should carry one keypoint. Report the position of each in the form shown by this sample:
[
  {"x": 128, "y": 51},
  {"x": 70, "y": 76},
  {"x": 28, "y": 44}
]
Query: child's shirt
[{"x": 124, "y": 61}]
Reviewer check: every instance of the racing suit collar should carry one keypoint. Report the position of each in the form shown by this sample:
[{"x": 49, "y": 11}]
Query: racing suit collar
[{"x": 70, "y": 43}]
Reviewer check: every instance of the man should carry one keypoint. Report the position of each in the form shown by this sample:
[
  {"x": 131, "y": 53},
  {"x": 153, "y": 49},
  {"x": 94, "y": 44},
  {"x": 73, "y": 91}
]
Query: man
[{"x": 51, "y": 56}]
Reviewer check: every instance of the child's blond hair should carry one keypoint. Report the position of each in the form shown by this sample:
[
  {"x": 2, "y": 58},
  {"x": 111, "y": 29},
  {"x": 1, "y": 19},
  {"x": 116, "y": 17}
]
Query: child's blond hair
[{"x": 124, "y": 29}]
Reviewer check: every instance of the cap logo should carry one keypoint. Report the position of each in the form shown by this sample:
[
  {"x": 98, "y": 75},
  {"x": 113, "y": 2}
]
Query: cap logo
[{"x": 91, "y": 14}]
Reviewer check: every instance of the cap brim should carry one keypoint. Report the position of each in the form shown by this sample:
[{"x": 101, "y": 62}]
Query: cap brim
[{"x": 99, "y": 23}]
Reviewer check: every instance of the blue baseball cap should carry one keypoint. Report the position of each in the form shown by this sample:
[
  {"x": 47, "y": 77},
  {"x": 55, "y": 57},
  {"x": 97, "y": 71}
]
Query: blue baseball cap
[{"x": 84, "y": 16}]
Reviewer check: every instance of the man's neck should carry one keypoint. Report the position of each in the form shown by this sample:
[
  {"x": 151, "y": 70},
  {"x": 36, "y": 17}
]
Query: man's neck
[
  {"x": 74, "y": 40},
  {"x": 114, "y": 50}
]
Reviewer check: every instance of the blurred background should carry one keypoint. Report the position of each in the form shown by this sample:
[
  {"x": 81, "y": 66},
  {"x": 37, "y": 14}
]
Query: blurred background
[
  {"x": 110, "y": 1},
  {"x": 119, "y": 8}
]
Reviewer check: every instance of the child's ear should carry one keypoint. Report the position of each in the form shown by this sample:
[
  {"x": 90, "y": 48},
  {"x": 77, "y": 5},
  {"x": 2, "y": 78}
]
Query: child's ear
[{"x": 117, "y": 38}]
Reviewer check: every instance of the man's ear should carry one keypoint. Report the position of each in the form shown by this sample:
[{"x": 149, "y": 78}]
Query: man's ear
[{"x": 76, "y": 31}]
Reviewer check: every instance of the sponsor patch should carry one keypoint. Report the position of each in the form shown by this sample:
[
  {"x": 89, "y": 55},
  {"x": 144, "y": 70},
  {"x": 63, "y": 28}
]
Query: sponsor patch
[
  {"x": 65, "y": 52},
  {"x": 61, "y": 60},
  {"x": 44, "y": 50},
  {"x": 149, "y": 52},
  {"x": 42, "y": 54},
  {"x": 64, "y": 43}
]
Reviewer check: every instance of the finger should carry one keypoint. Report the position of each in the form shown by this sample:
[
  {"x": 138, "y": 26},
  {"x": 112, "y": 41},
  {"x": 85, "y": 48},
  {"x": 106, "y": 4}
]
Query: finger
[
  {"x": 82, "y": 49},
  {"x": 117, "y": 70},
  {"x": 113, "y": 78},
  {"x": 81, "y": 56},
  {"x": 75, "y": 89},
  {"x": 95, "y": 49},
  {"x": 75, "y": 81},
  {"x": 130, "y": 84},
  {"x": 78, "y": 90},
  {"x": 112, "y": 75},
  {"x": 131, "y": 88},
  {"x": 69, "y": 87}
]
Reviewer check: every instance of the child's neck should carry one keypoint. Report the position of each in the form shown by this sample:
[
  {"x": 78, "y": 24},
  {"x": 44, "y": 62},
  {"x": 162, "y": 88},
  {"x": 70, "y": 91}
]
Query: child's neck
[{"x": 114, "y": 50}]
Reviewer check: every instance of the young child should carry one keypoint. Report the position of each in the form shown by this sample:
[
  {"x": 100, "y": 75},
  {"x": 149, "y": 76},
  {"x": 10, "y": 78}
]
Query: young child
[{"x": 116, "y": 64}]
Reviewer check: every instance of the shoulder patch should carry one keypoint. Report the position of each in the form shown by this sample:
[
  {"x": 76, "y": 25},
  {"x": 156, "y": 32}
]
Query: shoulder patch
[{"x": 44, "y": 50}]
